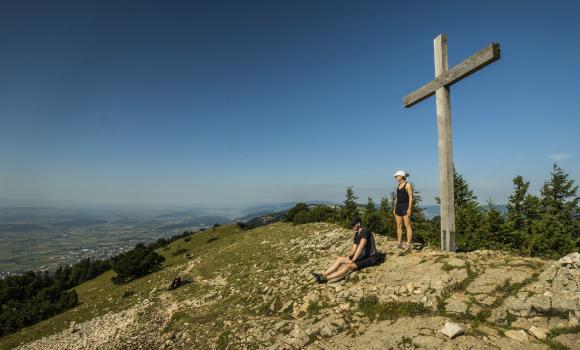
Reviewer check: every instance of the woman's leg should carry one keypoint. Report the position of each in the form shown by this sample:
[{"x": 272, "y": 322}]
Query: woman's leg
[
  {"x": 342, "y": 271},
  {"x": 339, "y": 261},
  {"x": 399, "y": 228},
  {"x": 408, "y": 228}
]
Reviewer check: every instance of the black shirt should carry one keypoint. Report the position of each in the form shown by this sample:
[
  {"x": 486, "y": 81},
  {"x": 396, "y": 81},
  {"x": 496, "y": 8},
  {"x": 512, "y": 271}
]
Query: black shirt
[
  {"x": 369, "y": 248},
  {"x": 402, "y": 195}
]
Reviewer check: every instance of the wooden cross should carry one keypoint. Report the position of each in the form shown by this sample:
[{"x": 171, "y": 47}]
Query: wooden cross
[{"x": 444, "y": 78}]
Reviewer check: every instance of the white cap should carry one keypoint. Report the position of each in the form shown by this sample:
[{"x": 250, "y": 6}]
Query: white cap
[{"x": 400, "y": 173}]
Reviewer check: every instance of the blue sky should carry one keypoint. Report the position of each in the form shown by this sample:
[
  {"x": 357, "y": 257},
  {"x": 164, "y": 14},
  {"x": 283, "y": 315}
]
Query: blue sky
[{"x": 229, "y": 103}]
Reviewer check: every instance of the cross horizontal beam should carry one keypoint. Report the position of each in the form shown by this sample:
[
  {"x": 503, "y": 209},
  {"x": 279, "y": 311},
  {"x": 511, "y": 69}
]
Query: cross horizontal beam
[{"x": 464, "y": 69}]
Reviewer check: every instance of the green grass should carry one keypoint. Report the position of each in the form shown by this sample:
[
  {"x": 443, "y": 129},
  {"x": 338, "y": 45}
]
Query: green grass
[
  {"x": 407, "y": 342},
  {"x": 375, "y": 310},
  {"x": 563, "y": 330},
  {"x": 212, "y": 239},
  {"x": 179, "y": 251},
  {"x": 314, "y": 308},
  {"x": 509, "y": 289},
  {"x": 300, "y": 259},
  {"x": 223, "y": 340},
  {"x": 554, "y": 345},
  {"x": 447, "y": 267},
  {"x": 471, "y": 276}
]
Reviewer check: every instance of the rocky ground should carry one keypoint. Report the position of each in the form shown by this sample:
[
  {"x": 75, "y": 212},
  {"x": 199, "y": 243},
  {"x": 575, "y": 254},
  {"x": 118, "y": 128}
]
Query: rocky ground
[{"x": 261, "y": 295}]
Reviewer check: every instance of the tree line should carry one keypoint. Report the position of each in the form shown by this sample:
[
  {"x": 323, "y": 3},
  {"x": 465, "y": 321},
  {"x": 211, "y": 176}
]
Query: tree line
[
  {"x": 35, "y": 296},
  {"x": 543, "y": 226}
]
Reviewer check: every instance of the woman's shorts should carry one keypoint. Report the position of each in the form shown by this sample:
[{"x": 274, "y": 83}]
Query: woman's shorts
[
  {"x": 401, "y": 209},
  {"x": 368, "y": 261}
]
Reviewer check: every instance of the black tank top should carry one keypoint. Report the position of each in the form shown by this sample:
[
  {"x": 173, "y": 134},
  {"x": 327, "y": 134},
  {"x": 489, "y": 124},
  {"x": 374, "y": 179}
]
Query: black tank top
[{"x": 402, "y": 195}]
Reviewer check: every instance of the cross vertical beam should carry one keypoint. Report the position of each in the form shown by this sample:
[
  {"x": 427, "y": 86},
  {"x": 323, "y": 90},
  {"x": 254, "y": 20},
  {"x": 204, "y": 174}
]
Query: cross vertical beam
[
  {"x": 446, "y": 184},
  {"x": 444, "y": 78}
]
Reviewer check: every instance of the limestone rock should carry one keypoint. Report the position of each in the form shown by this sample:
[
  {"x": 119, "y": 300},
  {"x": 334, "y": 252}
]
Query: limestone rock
[
  {"x": 455, "y": 306},
  {"x": 427, "y": 342},
  {"x": 522, "y": 323},
  {"x": 571, "y": 260},
  {"x": 451, "y": 329},
  {"x": 572, "y": 320},
  {"x": 570, "y": 340},
  {"x": 538, "y": 332},
  {"x": 520, "y": 335}
]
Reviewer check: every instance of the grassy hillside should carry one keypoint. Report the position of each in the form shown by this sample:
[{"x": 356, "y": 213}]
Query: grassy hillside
[
  {"x": 100, "y": 296},
  {"x": 252, "y": 289}
]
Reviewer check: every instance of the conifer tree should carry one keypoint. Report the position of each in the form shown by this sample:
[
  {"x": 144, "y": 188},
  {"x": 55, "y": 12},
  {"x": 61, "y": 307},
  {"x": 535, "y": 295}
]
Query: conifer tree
[
  {"x": 559, "y": 195},
  {"x": 350, "y": 208},
  {"x": 417, "y": 213},
  {"x": 389, "y": 226},
  {"x": 516, "y": 205},
  {"x": 556, "y": 232},
  {"x": 491, "y": 231},
  {"x": 372, "y": 219}
]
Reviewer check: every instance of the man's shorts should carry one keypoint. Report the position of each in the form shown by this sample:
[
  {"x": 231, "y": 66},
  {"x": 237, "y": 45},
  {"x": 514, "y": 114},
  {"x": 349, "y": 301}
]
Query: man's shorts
[{"x": 369, "y": 261}]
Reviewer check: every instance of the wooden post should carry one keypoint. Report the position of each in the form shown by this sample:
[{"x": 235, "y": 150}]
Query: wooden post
[
  {"x": 444, "y": 78},
  {"x": 443, "y": 103}
]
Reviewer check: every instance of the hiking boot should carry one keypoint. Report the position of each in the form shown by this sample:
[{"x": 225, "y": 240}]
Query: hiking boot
[{"x": 320, "y": 278}]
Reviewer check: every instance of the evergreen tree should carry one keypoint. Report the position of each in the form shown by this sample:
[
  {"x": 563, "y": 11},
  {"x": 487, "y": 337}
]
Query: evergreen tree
[
  {"x": 299, "y": 207},
  {"x": 423, "y": 230},
  {"x": 417, "y": 213},
  {"x": 350, "y": 209},
  {"x": 493, "y": 218},
  {"x": 372, "y": 219},
  {"x": 559, "y": 196},
  {"x": 389, "y": 226},
  {"x": 463, "y": 195},
  {"x": 516, "y": 205},
  {"x": 556, "y": 231},
  {"x": 531, "y": 210},
  {"x": 523, "y": 210},
  {"x": 490, "y": 233},
  {"x": 138, "y": 262}
]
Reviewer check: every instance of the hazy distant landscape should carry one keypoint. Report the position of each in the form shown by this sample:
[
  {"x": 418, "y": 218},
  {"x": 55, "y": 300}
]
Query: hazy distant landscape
[{"x": 35, "y": 238}]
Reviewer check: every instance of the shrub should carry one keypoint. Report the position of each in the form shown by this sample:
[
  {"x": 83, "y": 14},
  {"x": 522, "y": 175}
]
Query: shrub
[
  {"x": 317, "y": 214},
  {"x": 138, "y": 262},
  {"x": 298, "y": 208},
  {"x": 179, "y": 251}
]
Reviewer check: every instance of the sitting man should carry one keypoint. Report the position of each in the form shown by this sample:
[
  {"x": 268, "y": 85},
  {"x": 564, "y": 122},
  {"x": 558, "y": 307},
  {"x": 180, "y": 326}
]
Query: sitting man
[{"x": 362, "y": 254}]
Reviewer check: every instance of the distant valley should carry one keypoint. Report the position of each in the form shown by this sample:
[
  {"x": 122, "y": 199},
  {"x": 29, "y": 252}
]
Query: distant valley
[
  {"x": 36, "y": 238},
  {"x": 39, "y": 238}
]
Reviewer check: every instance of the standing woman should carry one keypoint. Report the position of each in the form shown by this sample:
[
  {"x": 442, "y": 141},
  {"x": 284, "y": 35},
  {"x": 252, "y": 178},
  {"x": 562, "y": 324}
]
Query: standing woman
[{"x": 402, "y": 210}]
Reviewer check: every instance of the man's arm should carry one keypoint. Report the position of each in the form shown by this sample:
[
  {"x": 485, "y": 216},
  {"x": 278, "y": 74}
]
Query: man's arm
[
  {"x": 352, "y": 251},
  {"x": 359, "y": 249},
  {"x": 410, "y": 193}
]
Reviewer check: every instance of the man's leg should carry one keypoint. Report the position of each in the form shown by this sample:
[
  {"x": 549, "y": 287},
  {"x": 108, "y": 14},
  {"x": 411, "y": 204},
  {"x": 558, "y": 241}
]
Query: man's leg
[
  {"x": 339, "y": 261},
  {"x": 342, "y": 271},
  {"x": 399, "y": 228}
]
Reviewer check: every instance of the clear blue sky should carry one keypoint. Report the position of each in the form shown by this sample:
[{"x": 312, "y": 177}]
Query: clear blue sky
[{"x": 185, "y": 102}]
